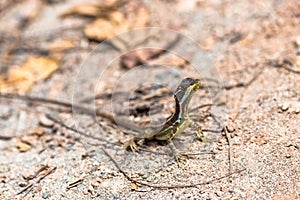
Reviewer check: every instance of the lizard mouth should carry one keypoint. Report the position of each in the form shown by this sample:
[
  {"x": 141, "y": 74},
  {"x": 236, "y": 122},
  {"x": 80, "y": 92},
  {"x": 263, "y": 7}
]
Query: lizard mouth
[{"x": 197, "y": 84}]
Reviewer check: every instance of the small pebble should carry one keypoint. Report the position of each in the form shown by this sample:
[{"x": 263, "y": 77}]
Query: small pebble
[
  {"x": 99, "y": 180},
  {"x": 219, "y": 193},
  {"x": 22, "y": 184},
  {"x": 230, "y": 128},
  {"x": 44, "y": 121},
  {"x": 168, "y": 169},
  {"x": 27, "y": 175},
  {"x": 86, "y": 191},
  {"x": 95, "y": 184},
  {"x": 284, "y": 106},
  {"x": 105, "y": 176},
  {"x": 116, "y": 196},
  {"x": 45, "y": 195},
  {"x": 296, "y": 107},
  {"x": 145, "y": 176},
  {"x": 220, "y": 148}
]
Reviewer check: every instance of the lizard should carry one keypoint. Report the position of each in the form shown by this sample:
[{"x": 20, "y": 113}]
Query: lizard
[{"x": 175, "y": 123}]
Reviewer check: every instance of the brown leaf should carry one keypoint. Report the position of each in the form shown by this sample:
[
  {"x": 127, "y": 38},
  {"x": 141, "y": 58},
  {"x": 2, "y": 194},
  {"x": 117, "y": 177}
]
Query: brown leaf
[
  {"x": 61, "y": 45},
  {"x": 133, "y": 186},
  {"x": 102, "y": 29},
  {"x": 22, "y": 146},
  {"x": 38, "y": 132},
  {"x": 116, "y": 21},
  {"x": 22, "y": 78}
]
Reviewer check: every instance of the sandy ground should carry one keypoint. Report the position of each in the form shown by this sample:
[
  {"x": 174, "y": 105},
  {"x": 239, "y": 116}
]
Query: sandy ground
[{"x": 252, "y": 49}]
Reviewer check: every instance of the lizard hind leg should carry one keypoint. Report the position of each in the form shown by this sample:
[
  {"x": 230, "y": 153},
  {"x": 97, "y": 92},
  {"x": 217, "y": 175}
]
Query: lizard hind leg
[{"x": 177, "y": 154}]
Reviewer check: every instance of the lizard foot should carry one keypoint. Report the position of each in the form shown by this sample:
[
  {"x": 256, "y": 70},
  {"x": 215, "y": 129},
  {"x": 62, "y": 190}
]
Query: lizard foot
[
  {"x": 180, "y": 158},
  {"x": 131, "y": 144},
  {"x": 177, "y": 154},
  {"x": 200, "y": 135}
]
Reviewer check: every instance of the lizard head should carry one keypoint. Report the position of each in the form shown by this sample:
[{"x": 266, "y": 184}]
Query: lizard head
[{"x": 186, "y": 89}]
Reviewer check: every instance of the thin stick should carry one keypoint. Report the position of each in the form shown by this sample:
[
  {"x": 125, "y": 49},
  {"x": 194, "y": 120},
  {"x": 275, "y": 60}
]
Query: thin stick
[
  {"x": 48, "y": 173},
  {"x": 30, "y": 186},
  {"x": 25, "y": 189},
  {"x": 229, "y": 148},
  {"x": 80, "y": 109},
  {"x": 38, "y": 172},
  {"x": 201, "y": 106},
  {"x": 228, "y": 137},
  {"x": 57, "y": 121},
  {"x": 75, "y": 183},
  {"x": 284, "y": 63},
  {"x": 63, "y": 104},
  {"x": 244, "y": 84},
  {"x": 163, "y": 187},
  {"x": 2, "y": 137}
]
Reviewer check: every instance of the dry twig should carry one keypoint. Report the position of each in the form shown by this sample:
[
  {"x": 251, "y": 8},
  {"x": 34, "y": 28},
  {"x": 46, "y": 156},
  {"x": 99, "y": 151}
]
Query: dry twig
[
  {"x": 75, "y": 183},
  {"x": 30, "y": 186},
  {"x": 163, "y": 187}
]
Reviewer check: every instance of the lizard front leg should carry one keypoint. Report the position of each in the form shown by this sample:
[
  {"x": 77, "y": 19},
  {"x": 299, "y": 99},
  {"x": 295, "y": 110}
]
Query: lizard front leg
[
  {"x": 145, "y": 134},
  {"x": 131, "y": 144},
  {"x": 199, "y": 133}
]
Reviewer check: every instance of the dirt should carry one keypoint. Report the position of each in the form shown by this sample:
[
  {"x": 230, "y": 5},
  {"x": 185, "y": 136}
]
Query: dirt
[{"x": 246, "y": 54}]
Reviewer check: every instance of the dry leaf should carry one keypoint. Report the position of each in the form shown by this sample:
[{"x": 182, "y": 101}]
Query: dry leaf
[
  {"x": 113, "y": 17},
  {"x": 61, "y": 45},
  {"x": 22, "y": 78},
  {"x": 22, "y": 146},
  {"x": 38, "y": 132},
  {"x": 115, "y": 22},
  {"x": 101, "y": 28},
  {"x": 133, "y": 186}
]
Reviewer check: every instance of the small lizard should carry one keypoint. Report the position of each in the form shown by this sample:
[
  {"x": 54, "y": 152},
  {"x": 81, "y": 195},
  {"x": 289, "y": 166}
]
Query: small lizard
[
  {"x": 177, "y": 122},
  {"x": 174, "y": 125}
]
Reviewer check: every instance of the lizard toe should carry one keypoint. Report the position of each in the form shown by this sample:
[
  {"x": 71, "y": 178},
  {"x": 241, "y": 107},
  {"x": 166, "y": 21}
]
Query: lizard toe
[{"x": 132, "y": 145}]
